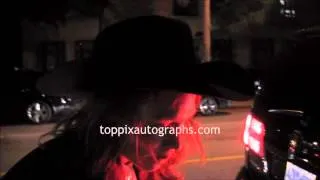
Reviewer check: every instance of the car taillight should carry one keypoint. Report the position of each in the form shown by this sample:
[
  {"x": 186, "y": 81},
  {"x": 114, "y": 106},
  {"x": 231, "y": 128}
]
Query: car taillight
[{"x": 253, "y": 136}]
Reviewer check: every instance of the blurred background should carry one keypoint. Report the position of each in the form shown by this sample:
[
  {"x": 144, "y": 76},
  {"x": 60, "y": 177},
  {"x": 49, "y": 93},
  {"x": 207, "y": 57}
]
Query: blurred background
[{"x": 51, "y": 32}]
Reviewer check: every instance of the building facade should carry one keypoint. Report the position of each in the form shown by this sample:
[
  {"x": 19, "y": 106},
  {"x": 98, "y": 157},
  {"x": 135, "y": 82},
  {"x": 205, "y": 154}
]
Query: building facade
[{"x": 45, "y": 46}]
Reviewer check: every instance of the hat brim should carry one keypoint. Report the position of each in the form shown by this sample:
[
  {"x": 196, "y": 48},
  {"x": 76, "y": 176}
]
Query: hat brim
[{"x": 220, "y": 79}]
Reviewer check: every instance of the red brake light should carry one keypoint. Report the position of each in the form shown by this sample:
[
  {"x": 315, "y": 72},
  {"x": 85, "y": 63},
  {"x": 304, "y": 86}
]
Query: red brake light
[{"x": 253, "y": 136}]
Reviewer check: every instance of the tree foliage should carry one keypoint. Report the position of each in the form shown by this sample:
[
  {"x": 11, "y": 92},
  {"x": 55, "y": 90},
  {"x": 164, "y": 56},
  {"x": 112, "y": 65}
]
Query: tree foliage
[
  {"x": 227, "y": 12},
  {"x": 292, "y": 14}
]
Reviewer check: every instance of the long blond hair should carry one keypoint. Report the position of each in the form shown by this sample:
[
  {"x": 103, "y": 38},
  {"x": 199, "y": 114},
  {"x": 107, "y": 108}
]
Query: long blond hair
[{"x": 116, "y": 109}]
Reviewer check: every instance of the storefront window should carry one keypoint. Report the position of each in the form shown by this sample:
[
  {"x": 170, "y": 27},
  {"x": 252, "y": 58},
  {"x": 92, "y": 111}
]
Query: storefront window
[
  {"x": 186, "y": 7},
  {"x": 51, "y": 54},
  {"x": 83, "y": 49}
]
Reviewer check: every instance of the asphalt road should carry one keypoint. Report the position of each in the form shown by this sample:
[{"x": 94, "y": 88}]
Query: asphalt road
[{"x": 224, "y": 151}]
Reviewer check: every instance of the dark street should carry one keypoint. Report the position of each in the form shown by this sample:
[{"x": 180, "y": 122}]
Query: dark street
[{"x": 224, "y": 152}]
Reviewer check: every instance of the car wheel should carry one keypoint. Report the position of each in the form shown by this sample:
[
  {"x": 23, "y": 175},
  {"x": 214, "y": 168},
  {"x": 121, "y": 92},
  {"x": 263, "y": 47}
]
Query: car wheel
[
  {"x": 39, "y": 112},
  {"x": 208, "y": 106}
]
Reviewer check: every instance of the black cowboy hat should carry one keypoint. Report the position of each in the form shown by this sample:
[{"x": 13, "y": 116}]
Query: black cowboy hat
[{"x": 148, "y": 52}]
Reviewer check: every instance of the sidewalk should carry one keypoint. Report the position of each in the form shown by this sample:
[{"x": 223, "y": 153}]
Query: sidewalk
[{"x": 25, "y": 130}]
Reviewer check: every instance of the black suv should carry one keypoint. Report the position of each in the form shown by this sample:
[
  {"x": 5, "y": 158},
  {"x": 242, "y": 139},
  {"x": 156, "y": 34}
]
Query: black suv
[{"x": 282, "y": 131}]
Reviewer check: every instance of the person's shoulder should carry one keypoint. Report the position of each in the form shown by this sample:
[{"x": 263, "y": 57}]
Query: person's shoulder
[
  {"x": 62, "y": 142},
  {"x": 56, "y": 158}
]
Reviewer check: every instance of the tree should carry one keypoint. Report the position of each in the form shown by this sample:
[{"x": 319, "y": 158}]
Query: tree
[
  {"x": 227, "y": 12},
  {"x": 294, "y": 14},
  {"x": 274, "y": 14}
]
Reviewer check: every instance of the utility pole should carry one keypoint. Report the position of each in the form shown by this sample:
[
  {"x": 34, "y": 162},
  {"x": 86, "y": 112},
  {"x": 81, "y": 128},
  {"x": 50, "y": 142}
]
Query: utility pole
[{"x": 207, "y": 30}]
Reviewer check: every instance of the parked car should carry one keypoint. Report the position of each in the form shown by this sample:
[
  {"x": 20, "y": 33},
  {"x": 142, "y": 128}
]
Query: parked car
[
  {"x": 282, "y": 130},
  {"x": 210, "y": 105},
  {"x": 26, "y": 103}
]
